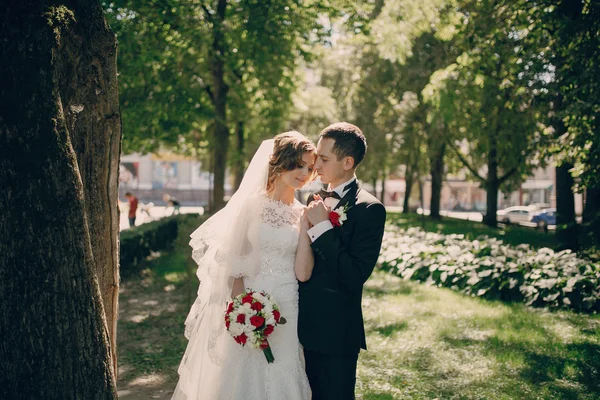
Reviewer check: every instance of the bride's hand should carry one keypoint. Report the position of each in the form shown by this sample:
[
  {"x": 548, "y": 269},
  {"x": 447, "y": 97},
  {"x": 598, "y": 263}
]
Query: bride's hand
[
  {"x": 304, "y": 223},
  {"x": 238, "y": 287}
]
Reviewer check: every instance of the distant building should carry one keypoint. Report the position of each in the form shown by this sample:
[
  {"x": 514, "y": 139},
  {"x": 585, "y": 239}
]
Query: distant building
[
  {"x": 460, "y": 194},
  {"x": 150, "y": 176}
]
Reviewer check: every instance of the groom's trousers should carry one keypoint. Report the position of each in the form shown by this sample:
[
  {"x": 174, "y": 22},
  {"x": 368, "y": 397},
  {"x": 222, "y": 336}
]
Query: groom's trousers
[{"x": 331, "y": 377}]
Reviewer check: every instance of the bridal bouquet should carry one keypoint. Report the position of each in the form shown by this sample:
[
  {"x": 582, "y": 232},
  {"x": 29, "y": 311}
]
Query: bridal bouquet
[{"x": 251, "y": 318}]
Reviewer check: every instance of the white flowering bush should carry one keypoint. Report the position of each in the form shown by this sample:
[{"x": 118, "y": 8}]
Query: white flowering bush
[{"x": 486, "y": 267}]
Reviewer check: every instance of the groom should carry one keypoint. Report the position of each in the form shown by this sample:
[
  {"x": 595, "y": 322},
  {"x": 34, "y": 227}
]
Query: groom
[{"x": 330, "y": 322}]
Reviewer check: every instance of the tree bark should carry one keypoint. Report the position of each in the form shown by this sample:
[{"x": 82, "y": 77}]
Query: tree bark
[
  {"x": 220, "y": 89},
  {"x": 59, "y": 144},
  {"x": 565, "y": 208},
  {"x": 408, "y": 190},
  {"x": 492, "y": 183},
  {"x": 437, "y": 175},
  {"x": 240, "y": 156},
  {"x": 374, "y": 183},
  {"x": 566, "y": 225},
  {"x": 382, "y": 197},
  {"x": 96, "y": 138},
  {"x": 591, "y": 217}
]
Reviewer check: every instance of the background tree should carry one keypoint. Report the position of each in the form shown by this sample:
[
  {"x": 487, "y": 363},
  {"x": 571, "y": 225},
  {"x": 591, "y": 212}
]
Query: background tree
[
  {"x": 487, "y": 102},
  {"x": 418, "y": 38},
  {"x": 573, "y": 63},
  {"x": 60, "y": 140},
  {"x": 222, "y": 59}
]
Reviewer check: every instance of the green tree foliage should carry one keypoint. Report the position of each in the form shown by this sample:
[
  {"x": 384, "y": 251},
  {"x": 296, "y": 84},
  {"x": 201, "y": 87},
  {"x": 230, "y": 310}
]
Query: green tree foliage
[{"x": 200, "y": 70}]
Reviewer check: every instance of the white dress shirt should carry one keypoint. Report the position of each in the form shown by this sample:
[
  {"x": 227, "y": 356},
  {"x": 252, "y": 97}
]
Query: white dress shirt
[{"x": 330, "y": 202}]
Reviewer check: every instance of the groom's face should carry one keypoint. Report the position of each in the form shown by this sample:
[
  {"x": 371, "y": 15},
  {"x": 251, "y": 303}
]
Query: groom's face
[{"x": 328, "y": 167}]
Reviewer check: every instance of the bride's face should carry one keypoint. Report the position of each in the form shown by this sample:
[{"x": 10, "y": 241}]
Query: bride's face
[{"x": 299, "y": 176}]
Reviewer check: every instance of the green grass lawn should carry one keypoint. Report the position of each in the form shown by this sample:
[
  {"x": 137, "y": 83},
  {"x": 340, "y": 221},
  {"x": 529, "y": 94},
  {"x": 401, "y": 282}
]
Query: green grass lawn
[
  {"x": 424, "y": 342},
  {"x": 510, "y": 234}
]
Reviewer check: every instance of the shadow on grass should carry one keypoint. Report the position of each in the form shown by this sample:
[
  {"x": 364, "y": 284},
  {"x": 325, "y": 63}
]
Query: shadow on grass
[
  {"x": 522, "y": 345},
  {"x": 155, "y": 345},
  {"x": 380, "y": 291},
  {"x": 390, "y": 329},
  {"x": 155, "y": 302},
  {"x": 551, "y": 367}
]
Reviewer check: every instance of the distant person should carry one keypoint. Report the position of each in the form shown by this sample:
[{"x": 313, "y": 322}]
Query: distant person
[
  {"x": 172, "y": 202},
  {"x": 133, "y": 204}
]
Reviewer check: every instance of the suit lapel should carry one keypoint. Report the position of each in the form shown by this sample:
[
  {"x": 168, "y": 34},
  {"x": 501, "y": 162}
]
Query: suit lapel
[{"x": 349, "y": 198}]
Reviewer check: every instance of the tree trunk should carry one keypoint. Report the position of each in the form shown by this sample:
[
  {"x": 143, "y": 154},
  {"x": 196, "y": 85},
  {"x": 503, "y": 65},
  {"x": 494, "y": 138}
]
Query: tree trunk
[
  {"x": 566, "y": 224},
  {"x": 492, "y": 183},
  {"x": 374, "y": 182},
  {"x": 96, "y": 138},
  {"x": 221, "y": 131},
  {"x": 591, "y": 217},
  {"x": 592, "y": 205},
  {"x": 382, "y": 198},
  {"x": 437, "y": 174},
  {"x": 240, "y": 156},
  {"x": 59, "y": 144},
  {"x": 407, "y": 191},
  {"x": 565, "y": 208}
]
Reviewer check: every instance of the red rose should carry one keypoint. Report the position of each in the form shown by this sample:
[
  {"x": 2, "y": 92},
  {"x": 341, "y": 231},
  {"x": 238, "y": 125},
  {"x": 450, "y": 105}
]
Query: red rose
[
  {"x": 241, "y": 319},
  {"x": 276, "y": 315},
  {"x": 334, "y": 218},
  {"x": 230, "y": 307},
  {"x": 241, "y": 339},
  {"x": 264, "y": 344},
  {"x": 227, "y": 323},
  {"x": 268, "y": 330},
  {"x": 257, "y": 321},
  {"x": 247, "y": 298},
  {"x": 257, "y": 306}
]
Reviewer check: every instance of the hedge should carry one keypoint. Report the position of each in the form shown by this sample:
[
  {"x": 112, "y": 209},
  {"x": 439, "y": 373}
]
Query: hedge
[
  {"x": 138, "y": 243},
  {"x": 488, "y": 268}
]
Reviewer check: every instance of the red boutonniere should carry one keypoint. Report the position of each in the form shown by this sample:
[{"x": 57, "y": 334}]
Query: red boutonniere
[{"x": 339, "y": 216}]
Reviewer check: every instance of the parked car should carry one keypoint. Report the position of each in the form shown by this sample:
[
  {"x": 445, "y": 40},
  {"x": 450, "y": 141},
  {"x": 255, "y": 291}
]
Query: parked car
[
  {"x": 514, "y": 215},
  {"x": 544, "y": 218},
  {"x": 538, "y": 206}
]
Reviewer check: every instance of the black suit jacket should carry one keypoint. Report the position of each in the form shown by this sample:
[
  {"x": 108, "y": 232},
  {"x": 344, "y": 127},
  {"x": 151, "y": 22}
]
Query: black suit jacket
[{"x": 330, "y": 317}]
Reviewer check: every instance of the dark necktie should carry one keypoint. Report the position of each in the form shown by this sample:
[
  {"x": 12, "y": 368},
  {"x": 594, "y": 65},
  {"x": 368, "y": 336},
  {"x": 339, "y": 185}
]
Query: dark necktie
[{"x": 325, "y": 194}]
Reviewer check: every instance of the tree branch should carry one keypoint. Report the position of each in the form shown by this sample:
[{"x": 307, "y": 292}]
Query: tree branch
[
  {"x": 463, "y": 159},
  {"x": 507, "y": 175},
  {"x": 207, "y": 12}
]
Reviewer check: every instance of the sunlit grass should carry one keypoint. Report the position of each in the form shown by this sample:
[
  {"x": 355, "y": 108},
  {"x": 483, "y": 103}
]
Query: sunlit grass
[{"x": 425, "y": 343}]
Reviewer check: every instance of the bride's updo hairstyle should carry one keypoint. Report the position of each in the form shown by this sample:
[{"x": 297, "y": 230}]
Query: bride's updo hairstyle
[{"x": 287, "y": 154}]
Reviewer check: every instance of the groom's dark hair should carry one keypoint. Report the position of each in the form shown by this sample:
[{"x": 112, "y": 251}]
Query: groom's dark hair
[{"x": 349, "y": 141}]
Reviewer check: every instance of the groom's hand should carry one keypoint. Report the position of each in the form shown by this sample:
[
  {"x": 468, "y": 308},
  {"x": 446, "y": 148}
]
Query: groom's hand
[{"x": 317, "y": 212}]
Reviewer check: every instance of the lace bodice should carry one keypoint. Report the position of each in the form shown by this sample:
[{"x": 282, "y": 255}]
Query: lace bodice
[{"x": 274, "y": 235}]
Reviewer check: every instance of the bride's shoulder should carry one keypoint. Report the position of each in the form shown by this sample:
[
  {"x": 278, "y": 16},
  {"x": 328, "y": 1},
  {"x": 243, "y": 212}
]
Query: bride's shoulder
[{"x": 256, "y": 200}]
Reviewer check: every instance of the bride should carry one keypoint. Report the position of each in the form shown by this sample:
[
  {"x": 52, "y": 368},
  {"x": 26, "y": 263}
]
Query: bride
[{"x": 257, "y": 241}]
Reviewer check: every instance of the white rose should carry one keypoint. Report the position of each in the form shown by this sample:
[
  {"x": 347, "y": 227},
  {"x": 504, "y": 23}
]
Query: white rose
[
  {"x": 236, "y": 329},
  {"x": 246, "y": 308},
  {"x": 252, "y": 340},
  {"x": 249, "y": 328},
  {"x": 342, "y": 215}
]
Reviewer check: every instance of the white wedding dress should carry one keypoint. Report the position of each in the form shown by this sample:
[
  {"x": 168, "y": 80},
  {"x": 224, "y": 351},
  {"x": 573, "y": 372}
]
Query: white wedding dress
[{"x": 244, "y": 372}]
